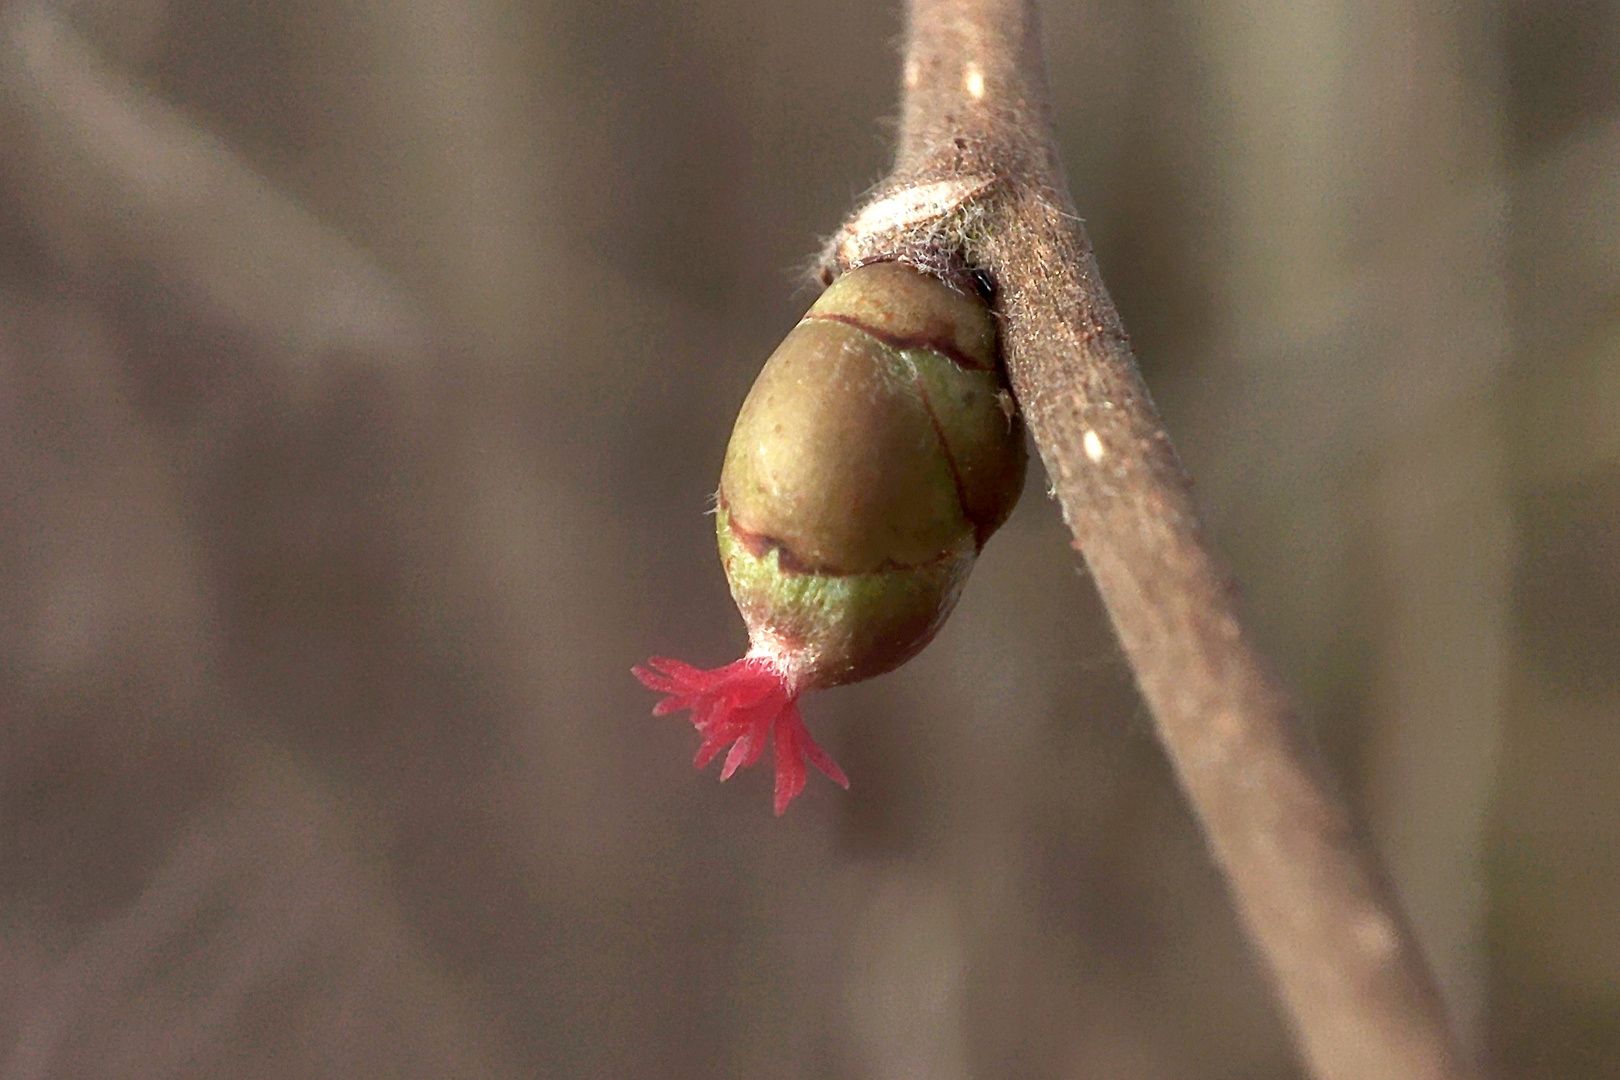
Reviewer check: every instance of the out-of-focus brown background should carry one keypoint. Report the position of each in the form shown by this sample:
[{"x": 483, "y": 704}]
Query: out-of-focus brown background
[{"x": 365, "y": 367}]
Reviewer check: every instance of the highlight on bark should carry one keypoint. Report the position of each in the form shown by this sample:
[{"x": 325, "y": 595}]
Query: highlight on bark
[{"x": 876, "y": 453}]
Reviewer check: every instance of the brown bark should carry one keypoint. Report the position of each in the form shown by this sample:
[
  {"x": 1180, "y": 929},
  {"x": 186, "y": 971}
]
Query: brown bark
[{"x": 978, "y": 190}]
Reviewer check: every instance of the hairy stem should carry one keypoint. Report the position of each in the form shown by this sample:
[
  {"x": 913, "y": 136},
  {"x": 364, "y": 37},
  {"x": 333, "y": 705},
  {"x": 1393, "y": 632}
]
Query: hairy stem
[{"x": 978, "y": 188}]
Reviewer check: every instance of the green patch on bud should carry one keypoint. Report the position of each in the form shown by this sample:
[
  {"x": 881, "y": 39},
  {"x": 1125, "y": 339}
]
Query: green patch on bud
[{"x": 830, "y": 629}]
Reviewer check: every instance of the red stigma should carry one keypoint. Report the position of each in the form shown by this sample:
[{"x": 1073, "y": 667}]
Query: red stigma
[{"x": 738, "y": 706}]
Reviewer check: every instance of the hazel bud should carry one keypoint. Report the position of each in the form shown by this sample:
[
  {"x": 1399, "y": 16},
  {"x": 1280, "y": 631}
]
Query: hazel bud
[{"x": 874, "y": 456}]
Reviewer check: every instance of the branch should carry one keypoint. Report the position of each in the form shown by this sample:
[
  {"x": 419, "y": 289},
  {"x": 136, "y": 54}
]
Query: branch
[{"x": 978, "y": 189}]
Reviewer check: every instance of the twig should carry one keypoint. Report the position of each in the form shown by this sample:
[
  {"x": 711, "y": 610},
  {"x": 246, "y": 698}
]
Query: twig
[{"x": 978, "y": 187}]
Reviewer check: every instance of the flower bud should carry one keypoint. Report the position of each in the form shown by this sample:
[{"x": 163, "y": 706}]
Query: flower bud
[{"x": 875, "y": 454}]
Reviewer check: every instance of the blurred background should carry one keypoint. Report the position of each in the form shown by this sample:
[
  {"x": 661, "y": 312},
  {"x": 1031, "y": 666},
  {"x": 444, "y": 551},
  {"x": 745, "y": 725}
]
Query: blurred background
[{"x": 365, "y": 368}]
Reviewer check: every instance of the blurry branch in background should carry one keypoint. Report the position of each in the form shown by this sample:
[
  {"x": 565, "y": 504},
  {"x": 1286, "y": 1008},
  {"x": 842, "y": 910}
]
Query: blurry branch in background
[
  {"x": 113, "y": 178},
  {"x": 978, "y": 186},
  {"x": 205, "y": 891}
]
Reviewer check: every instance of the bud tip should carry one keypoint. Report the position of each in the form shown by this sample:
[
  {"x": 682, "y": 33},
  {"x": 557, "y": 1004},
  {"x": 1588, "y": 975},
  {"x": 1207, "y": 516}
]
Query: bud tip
[{"x": 739, "y": 705}]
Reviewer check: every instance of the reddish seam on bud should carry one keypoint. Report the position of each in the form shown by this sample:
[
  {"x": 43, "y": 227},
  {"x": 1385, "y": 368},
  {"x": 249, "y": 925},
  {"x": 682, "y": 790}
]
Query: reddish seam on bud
[
  {"x": 980, "y": 532},
  {"x": 936, "y": 337},
  {"x": 760, "y": 544}
]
